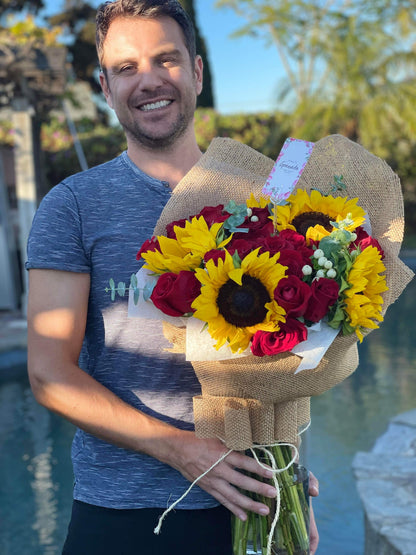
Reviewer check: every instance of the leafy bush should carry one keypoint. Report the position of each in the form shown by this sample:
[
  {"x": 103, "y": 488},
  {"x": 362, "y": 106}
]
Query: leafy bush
[
  {"x": 100, "y": 143},
  {"x": 263, "y": 132}
]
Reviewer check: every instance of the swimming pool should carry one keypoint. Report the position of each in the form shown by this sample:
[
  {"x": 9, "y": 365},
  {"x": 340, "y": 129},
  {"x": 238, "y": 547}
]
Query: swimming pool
[{"x": 36, "y": 473}]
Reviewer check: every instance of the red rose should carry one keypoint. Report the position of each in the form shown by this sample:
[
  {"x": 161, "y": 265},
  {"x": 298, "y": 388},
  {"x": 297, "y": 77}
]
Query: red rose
[
  {"x": 293, "y": 295},
  {"x": 149, "y": 245},
  {"x": 258, "y": 219},
  {"x": 261, "y": 226},
  {"x": 213, "y": 214},
  {"x": 364, "y": 240},
  {"x": 170, "y": 233},
  {"x": 295, "y": 261},
  {"x": 291, "y": 239},
  {"x": 242, "y": 246},
  {"x": 268, "y": 343},
  {"x": 324, "y": 294},
  {"x": 215, "y": 255},
  {"x": 174, "y": 293}
]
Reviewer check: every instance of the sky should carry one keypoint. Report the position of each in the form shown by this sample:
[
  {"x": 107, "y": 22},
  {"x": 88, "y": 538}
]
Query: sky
[{"x": 245, "y": 72}]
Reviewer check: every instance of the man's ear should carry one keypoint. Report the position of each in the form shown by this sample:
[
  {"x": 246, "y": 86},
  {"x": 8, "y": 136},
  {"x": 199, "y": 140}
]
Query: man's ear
[
  {"x": 105, "y": 88},
  {"x": 199, "y": 67}
]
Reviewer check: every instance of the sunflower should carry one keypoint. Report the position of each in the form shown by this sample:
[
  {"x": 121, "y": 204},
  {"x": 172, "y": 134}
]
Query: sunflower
[
  {"x": 198, "y": 238},
  {"x": 170, "y": 257},
  {"x": 187, "y": 251},
  {"x": 363, "y": 299},
  {"x": 236, "y": 302},
  {"x": 252, "y": 202},
  {"x": 311, "y": 215}
]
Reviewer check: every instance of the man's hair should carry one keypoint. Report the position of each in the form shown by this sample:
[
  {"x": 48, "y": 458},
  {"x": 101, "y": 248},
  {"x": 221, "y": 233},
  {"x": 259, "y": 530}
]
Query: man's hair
[{"x": 152, "y": 9}]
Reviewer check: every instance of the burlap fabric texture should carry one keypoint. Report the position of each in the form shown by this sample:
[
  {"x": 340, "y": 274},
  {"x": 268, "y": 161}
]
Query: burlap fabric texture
[{"x": 252, "y": 400}]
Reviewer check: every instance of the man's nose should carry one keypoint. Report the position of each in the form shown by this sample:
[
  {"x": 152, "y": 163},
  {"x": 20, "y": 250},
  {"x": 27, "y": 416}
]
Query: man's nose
[{"x": 150, "y": 76}]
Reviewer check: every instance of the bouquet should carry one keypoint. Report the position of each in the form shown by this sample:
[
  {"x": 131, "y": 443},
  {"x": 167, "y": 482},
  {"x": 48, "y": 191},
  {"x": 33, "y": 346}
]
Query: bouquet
[
  {"x": 263, "y": 282},
  {"x": 260, "y": 276}
]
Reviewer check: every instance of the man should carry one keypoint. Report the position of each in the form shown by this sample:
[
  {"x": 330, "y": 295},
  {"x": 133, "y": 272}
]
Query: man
[{"x": 131, "y": 399}]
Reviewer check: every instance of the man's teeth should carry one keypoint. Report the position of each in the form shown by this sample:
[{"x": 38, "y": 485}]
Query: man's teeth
[{"x": 155, "y": 105}]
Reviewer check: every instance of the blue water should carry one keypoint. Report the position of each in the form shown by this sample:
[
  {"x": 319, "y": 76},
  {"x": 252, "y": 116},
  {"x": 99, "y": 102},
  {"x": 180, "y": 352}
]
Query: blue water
[{"x": 36, "y": 474}]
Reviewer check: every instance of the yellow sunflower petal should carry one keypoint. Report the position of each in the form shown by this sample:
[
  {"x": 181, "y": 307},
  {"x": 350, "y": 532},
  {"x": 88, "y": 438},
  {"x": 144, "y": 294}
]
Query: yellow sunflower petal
[{"x": 252, "y": 202}]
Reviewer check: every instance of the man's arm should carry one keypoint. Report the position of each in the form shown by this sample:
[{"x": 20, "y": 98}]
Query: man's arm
[{"x": 57, "y": 312}]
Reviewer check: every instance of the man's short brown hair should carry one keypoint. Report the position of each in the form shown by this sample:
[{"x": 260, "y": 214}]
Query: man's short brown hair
[{"x": 152, "y": 9}]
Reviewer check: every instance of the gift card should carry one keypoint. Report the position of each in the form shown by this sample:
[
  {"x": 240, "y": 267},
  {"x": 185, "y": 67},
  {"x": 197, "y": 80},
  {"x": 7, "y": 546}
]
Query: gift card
[{"x": 287, "y": 169}]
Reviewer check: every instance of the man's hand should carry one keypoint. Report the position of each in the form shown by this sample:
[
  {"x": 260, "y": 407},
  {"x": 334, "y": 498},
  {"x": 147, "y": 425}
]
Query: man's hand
[
  {"x": 194, "y": 456},
  {"x": 313, "y": 530}
]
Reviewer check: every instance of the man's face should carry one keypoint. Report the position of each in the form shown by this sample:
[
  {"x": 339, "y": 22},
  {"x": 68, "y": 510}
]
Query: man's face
[{"x": 150, "y": 82}]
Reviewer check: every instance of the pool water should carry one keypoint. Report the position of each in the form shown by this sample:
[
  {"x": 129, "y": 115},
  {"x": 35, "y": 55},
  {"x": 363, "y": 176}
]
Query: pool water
[{"x": 36, "y": 473}]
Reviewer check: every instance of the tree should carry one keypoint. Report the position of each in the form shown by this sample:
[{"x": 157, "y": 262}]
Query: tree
[
  {"x": 11, "y": 6},
  {"x": 32, "y": 63},
  {"x": 335, "y": 48},
  {"x": 206, "y": 98},
  {"x": 78, "y": 19}
]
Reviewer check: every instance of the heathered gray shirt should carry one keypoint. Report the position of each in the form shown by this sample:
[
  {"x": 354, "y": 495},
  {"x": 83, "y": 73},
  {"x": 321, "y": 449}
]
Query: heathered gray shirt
[{"x": 94, "y": 222}]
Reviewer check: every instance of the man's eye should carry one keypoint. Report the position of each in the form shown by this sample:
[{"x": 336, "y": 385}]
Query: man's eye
[
  {"x": 169, "y": 61},
  {"x": 125, "y": 69}
]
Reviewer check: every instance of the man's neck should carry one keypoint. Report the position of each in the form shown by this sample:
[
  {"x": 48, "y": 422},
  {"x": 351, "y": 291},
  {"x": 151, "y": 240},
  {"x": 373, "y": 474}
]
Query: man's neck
[{"x": 169, "y": 165}]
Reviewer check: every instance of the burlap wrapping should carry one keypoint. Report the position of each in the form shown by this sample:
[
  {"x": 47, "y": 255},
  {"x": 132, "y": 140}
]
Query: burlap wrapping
[{"x": 260, "y": 400}]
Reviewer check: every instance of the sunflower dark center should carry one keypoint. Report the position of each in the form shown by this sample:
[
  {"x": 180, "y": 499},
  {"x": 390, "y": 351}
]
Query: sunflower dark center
[
  {"x": 243, "y": 305},
  {"x": 304, "y": 221}
]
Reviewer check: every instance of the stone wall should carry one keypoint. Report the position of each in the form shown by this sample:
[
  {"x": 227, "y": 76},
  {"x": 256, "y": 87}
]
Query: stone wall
[{"x": 386, "y": 483}]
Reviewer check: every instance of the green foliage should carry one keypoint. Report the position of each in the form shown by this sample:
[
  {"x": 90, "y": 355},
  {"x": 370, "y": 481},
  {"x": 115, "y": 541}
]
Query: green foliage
[
  {"x": 263, "y": 132},
  {"x": 78, "y": 20},
  {"x": 122, "y": 289},
  {"x": 11, "y": 6},
  {"x": 20, "y": 32},
  {"x": 100, "y": 143},
  {"x": 337, "y": 185}
]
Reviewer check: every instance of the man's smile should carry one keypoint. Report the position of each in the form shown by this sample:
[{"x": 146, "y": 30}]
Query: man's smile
[{"x": 155, "y": 105}]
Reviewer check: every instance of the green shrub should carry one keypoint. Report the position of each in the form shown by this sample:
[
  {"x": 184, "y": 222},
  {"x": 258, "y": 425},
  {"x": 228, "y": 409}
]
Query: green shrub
[{"x": 263, "y": 132}]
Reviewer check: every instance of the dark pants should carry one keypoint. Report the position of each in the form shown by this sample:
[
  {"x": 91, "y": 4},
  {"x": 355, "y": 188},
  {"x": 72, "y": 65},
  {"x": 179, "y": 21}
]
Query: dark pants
[{"x": 100, "y": 531}]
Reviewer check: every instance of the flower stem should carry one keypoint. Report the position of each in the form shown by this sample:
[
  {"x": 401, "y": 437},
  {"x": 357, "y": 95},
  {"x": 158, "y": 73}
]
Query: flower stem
[{"x": 291, "y": 533}]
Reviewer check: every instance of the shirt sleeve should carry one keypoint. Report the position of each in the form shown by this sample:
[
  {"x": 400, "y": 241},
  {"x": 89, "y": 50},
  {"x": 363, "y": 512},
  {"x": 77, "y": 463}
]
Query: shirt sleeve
[{"x": 55, "y": 240}]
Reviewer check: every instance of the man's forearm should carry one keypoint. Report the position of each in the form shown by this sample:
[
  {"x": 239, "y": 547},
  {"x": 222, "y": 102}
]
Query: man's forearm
[{"x": 79, "y": 398}]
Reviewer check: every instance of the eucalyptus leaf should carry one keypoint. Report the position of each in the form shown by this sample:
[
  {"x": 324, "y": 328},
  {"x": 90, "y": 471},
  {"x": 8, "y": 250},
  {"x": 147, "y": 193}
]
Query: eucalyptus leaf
[
  {"x": 133, "y": 281},
  {"x": 112, "y": 289},
  {"x": 136, "y": 295},
  {"x": 148, "y": 290},
  {"x": 239, "y": 230},
  {"x": 234, "y": 221},
  {"x": 231, "y": 207},
  {"x": 121, "y": 288}
]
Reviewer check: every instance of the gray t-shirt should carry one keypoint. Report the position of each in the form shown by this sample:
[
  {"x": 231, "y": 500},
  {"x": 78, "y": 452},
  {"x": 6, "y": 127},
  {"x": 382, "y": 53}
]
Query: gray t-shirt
[{"x": 94, "y": 222}]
